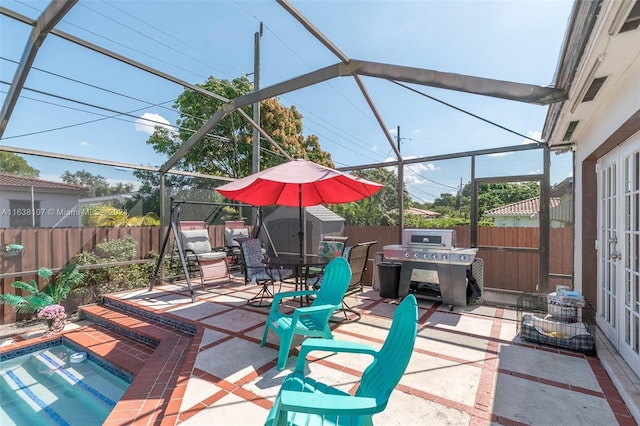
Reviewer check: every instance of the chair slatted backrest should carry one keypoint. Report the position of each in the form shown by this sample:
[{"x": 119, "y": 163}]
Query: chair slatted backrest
[
  {"x": 383, "y": 374},
  {"x": 357, "y": 256},
  {"x": 337, "y": 274}
]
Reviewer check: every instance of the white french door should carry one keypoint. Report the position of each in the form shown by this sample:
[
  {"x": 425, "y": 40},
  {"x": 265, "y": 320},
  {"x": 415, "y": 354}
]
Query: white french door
[{"x": 619, "y": 249}]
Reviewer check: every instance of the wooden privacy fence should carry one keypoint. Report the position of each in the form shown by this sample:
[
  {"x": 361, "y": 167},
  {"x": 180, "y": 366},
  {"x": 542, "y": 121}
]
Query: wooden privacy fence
[
  {"x": 503, "y": 269},
  {"x": 517, "y": 271}
]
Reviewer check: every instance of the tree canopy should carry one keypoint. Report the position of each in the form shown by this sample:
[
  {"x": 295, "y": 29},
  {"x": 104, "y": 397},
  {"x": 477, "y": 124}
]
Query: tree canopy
[
  {"x": 379, "y": 209},
  {"x": 490, "y": 196},
  {"x": 14, "y": 164},
  {"x": 227, "y": 149},
  {"x": 97, "y": 184}
]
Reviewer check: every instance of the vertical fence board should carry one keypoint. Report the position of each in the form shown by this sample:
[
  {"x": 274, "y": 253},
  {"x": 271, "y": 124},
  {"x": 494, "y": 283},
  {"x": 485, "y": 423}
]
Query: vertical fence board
[
  {"x": 58, "y": 256},
  {"x": 73, "y": 242}
]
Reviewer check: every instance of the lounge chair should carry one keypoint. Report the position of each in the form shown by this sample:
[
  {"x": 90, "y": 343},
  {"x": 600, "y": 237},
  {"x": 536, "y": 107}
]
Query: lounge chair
[{"x": 203, "y": 260}]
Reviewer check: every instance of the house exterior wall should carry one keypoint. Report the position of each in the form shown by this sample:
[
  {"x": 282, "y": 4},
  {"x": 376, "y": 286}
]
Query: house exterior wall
[
  {"x": 51, "y": 210},
  {"x": 521, "y": 222},
  {"x": 622, "y": 102}
]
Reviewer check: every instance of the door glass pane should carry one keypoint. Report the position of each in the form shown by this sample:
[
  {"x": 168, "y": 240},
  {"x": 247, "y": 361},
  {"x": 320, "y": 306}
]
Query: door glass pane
[
  {"x": 636, "y": 172},
  {"x": 627, "y": 327},
  {"x": 635, "y": 332}
]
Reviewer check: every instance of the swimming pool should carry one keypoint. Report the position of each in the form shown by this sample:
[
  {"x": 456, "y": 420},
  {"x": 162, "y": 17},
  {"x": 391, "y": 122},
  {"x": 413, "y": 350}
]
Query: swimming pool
[{"x": 44, "y": 387}]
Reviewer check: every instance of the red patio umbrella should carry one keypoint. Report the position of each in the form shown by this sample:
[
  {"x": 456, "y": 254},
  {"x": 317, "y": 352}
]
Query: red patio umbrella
[{"x": 299, "y": 183}]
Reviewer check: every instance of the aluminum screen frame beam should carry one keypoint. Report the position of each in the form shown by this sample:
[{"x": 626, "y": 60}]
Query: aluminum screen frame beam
[
  {"x": 41, "y": 28},
  {"x": 519, "y": 92}
]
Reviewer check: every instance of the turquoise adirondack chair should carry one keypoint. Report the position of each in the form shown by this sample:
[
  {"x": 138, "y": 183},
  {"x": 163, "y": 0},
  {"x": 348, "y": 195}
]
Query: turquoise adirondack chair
[
  {"x": 305, "y": 401},
  {"x": 312, "y": 320}
]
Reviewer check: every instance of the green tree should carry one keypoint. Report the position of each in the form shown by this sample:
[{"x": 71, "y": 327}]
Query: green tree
[
  {"x": 14, "y": 164},
  {"x": 494, "y": 195},
  {"x": 97, "y": 184},
  {"x": 227, "y": 149},
  {"x": 490, "y": 196},
  {"x": 379, "y": 209}
]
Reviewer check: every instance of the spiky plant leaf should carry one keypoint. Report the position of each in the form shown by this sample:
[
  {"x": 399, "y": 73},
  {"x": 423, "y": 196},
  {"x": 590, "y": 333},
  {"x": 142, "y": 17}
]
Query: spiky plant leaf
[
  {"x": 44, "y": 273},
  {"x": 38, "y": 301},
  {"x": 31, "y": 287},
  {"x": 12, "y": 299}
]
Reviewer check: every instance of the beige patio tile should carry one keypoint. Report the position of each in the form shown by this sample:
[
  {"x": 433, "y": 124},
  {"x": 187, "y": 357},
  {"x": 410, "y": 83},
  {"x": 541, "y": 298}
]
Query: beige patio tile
[
  {"x": 447, "y": 379},
  {"x": 230, "y": 410},
  {"x": 462, "y": 323},
  {"x": 235, "y": 320},
  {"x": 197, "y": 391},
  {"x": 451, "y": 344},
  {"x": 233, "y": 359},
  {"x": 571, "y": 370},
  {"x": 535, "y": 403},
  {"x": 404, "y": 410},
  {"x": 198, "y": 310}
]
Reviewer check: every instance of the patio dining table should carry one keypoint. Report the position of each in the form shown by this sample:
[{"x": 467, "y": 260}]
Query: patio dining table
[{"x": 300, "y": 267}]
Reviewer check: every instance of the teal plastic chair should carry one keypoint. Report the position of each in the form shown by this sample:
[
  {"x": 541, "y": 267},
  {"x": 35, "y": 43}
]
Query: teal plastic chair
[
  {"x": 305, "y": 401},
  {"x": 312, "y": 320}
]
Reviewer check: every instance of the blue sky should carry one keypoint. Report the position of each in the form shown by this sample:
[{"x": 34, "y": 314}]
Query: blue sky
[{"x": 508, "y": 40}]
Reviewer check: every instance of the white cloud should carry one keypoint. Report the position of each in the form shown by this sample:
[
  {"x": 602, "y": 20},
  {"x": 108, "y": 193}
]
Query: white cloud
[
  {"x": 500, "y": 154},
  {"x": 533, "y": 134},
  {"x": 85, "y": 143},
  {"x": 430, "y": 167},
  {"x": 149, "y": 121}
]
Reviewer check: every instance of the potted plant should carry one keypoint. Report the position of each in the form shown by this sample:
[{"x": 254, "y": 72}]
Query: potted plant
[
  {"x": 52, "y": 294},
  {"x": 55, "y": 316}
]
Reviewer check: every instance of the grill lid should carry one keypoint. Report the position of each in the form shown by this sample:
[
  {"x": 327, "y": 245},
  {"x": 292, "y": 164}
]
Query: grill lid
[{"x": 444, "y": 238}]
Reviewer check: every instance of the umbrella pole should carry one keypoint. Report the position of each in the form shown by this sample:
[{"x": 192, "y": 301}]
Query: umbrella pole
[{"x": 300, "y": 233}]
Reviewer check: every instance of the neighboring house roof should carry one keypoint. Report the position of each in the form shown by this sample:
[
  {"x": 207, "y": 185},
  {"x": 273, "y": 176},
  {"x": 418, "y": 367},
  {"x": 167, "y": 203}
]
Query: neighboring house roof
[
  {"x": 521, "y": 208},
  {"x": 12, "y": 181},
  {"x": 421, "y": 212}
]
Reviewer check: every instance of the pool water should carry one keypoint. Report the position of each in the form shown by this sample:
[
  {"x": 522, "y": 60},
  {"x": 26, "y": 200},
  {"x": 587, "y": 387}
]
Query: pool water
[{"x": 45, "y": 388}]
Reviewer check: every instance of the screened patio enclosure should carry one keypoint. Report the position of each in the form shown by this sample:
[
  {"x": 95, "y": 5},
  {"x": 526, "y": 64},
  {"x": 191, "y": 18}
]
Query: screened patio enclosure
[{"x": 361, "y": 73}]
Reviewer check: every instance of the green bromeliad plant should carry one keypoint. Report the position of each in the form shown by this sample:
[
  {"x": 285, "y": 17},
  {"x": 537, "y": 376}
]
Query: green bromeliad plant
[{"x": 53, "y": 292}]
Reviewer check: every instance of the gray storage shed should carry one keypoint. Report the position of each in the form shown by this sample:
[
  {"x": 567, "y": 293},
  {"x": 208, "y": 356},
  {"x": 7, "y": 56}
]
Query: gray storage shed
[{"x": 283, "y": 226}]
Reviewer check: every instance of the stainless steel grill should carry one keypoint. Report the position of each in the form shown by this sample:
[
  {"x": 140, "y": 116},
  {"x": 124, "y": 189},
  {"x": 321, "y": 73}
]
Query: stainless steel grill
[{"x": 432, "y": 267}]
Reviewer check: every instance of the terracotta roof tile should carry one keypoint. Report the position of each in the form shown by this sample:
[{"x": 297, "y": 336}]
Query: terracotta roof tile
[
  {"x": 524, "y": 207},
  {"x": 25, "y": 182}
]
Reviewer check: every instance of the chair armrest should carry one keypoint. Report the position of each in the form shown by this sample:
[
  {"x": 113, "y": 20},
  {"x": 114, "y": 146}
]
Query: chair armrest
[
  {"x": 308, "y": 310},
  {"x": 317, "y": 403},
  {"x": 291, "y": 294},
  {"x": 330, "y": 345}
]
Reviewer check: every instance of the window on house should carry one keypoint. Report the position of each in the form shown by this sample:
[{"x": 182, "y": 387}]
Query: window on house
[
  {"x": 22, "y": 214},
  {"x": 633, "y": 20}
]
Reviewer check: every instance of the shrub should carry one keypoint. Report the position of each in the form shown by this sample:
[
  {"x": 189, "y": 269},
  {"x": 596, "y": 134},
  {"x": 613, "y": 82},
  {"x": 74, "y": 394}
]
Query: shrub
[{"x": 111, "y": 279}]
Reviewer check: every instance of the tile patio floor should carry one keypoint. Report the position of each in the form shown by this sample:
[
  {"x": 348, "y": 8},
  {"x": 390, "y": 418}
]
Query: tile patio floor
[{"x": 469, "y": 367}]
